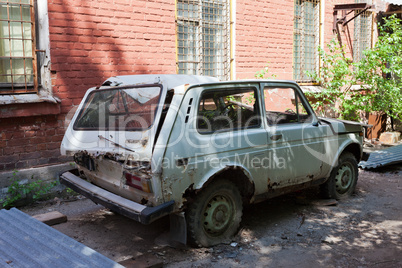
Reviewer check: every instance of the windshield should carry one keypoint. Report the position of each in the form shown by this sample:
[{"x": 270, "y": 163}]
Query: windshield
[{"x": 127, "y": 108}]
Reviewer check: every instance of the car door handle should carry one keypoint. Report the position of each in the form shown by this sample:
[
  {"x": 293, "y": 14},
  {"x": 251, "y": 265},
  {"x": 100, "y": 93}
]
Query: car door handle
[{"x": 276, "y": 137}]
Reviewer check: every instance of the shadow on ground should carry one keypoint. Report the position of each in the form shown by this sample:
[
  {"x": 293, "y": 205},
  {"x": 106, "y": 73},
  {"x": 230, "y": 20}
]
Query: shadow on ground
[{"x": 364, "y": 230}]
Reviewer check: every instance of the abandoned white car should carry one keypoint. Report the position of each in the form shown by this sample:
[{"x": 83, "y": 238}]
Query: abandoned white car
[{"x": 199, "y": 150}]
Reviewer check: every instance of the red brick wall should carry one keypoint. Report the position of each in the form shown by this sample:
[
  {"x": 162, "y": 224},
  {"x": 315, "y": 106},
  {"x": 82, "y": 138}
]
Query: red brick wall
[
  {"x": 90, "y": 40},
  {"x": 30, "y": 141},
  {"x": 264, "y": 33},
  {"x": 329, "y": 24}
]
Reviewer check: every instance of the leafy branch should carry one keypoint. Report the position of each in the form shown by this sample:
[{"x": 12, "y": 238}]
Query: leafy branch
[
  {"x": 264, "y": 73},
  {"x": 377, "y": 76}
]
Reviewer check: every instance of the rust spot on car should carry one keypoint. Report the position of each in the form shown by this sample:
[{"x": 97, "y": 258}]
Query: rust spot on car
[
  {"x": 144, "y": 142},
  {"x": 144, "y": 201},
  {"x": 271, "y": 186},
  {"x": 189, "y": 194}
]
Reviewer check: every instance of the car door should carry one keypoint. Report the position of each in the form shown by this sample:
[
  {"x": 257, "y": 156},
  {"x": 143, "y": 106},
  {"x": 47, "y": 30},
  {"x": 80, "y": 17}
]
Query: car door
[
  {"x": 295, "y": 138},
  {"x": 222, "y": 128},
  {"x": 235, "y": 131}
]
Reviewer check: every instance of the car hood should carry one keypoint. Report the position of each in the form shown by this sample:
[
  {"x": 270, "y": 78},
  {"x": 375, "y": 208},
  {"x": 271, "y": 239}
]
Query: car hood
[{"x": 343, "y": 126}]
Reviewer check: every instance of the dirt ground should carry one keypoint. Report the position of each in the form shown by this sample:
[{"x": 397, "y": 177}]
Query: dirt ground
[{"x": 293, "y": 230}]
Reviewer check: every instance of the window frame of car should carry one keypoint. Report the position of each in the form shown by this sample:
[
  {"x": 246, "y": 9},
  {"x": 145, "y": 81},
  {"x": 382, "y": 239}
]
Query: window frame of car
[
  {"x": 252, "y": 87},
  {"x": 298, "y": 92}
]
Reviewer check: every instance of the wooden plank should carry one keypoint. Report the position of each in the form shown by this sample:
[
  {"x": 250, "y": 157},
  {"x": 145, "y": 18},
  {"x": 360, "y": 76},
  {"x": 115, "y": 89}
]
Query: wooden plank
[
  {"x": 51, "y": 218},
  {"x": 143, "y": 261},
  {"x": 325, "y": 202}
]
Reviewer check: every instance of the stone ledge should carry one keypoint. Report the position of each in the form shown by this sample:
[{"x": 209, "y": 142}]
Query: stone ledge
[{"x": 46, "y": 173}]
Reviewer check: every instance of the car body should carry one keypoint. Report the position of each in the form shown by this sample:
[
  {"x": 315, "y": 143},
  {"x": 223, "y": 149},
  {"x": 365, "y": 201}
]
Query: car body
[{"x": 199, "y": 149}]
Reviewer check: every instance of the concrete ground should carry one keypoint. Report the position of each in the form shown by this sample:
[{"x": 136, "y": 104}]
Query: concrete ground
[{"x": 293, "y": 230}]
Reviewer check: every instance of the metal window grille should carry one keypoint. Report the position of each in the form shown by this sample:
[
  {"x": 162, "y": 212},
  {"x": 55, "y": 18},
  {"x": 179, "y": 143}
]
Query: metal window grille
[
  {"x": 17, "y": 47},
  {"x": 305, "y": 38},
  {"x": 362, "y": 33},
  {"x": 203, "y": 37}
]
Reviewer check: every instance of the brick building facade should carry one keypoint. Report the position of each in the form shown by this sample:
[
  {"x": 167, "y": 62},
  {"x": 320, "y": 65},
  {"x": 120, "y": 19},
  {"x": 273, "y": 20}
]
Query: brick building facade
[{"x": 81, "y": 43}]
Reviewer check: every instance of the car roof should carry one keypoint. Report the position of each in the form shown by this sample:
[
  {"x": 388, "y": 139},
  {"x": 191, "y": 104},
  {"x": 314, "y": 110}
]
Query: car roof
[{"x": 168, "y": 80}]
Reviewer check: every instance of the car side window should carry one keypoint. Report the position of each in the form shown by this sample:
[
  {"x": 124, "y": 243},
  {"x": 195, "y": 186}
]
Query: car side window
[
  {"x": 227, "y": 109},
  {"x": 283, "y": 105}
]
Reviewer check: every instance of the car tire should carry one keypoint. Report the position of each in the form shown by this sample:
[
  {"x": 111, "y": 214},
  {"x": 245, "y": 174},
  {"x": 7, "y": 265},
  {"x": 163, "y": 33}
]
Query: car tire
[
  {"x": 214, "y": 215},
  {"x": 342, "y": 181}
]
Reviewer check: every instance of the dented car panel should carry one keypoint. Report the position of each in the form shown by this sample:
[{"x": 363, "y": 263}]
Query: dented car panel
[
  {"x": 167, "y": 149},
  {"x": 207, "y": 154}
]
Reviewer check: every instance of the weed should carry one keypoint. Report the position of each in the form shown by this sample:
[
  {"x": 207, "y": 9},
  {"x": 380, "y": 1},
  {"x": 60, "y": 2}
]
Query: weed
[
  {"x": 18, "y": 190},
  {"x": 264, "y": 73}
]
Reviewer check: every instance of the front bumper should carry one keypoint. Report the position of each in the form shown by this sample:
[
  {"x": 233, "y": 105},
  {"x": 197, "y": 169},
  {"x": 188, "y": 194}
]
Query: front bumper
[{"x": 121, "y": 205}]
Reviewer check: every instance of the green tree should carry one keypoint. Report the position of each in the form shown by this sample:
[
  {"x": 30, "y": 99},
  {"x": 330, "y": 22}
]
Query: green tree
[
  {"x": 336, "y": 79},
  {"x": 378, "y": 75},
  {"x": 380, "y": 71}
]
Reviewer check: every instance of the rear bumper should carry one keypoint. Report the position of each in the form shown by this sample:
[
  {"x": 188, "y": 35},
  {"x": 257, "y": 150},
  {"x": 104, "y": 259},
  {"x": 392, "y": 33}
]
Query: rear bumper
[{"x": 121, "y": 205}]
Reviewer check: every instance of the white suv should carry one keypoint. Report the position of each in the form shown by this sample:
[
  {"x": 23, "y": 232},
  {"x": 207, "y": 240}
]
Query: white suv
[{"x": 198, "y": 149}]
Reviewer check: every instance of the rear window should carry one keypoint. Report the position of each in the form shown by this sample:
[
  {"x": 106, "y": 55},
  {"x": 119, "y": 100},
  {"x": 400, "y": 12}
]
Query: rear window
[{"x": 124, "y": 108}]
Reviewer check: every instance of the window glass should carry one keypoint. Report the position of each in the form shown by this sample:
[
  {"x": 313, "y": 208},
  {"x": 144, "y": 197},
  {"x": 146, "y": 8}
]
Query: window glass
[
  {"x": 119, "y": 109},
  {"x": 16, "y": 47},
  {"x": 203, "y": 37},
  {"x": 362, "y": 34},
  {"x": 228, "y": 109},
  {"x": 362, "y": 31},
  {"x": 283, "y": 106},
  {"x": 305, "y": 38}
]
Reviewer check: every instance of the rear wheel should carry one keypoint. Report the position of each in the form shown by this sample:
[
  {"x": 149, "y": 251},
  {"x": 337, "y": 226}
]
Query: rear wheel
[
  {"x": 343, "y": 178},
  {"x": 215, "y": 214}
]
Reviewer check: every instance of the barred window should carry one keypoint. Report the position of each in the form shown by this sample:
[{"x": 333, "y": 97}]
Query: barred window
[
  {"x": 362, "y": 33},
  {"x": 17, "y": 47},
  {"x": 305, "y": 38},
  {"x": 203, "y": 37}
]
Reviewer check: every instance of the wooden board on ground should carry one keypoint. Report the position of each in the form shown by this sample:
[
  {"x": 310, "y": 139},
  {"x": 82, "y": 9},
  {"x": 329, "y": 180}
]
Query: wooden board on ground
[
  {"x": 143, "y": 261},
  {"x": 325, "y": 202},
  {"x": 51, "y": 218}
]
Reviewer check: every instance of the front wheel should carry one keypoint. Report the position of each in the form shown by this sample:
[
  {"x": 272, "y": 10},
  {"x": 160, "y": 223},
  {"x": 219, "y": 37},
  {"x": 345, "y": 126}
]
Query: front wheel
[
  {"x": 343, "y": 178},
  {"x": 214, "y": 215}
]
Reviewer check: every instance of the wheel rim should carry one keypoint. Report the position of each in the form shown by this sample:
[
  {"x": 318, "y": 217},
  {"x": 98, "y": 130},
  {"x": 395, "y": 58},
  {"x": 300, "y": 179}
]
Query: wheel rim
[
  {"x": 344, "y": 178},
  {"x": 217, "y": 214}
]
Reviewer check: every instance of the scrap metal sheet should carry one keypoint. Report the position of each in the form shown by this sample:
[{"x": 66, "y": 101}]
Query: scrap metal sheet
[
  {"x": 27, "y": 242},
  {"x": 389, "y": 156}
]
